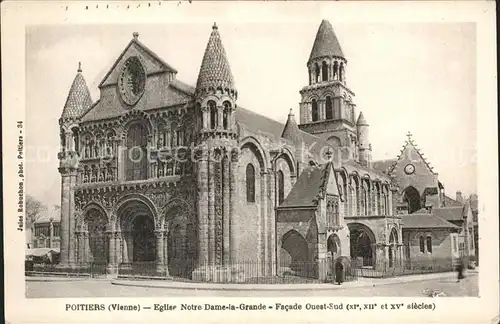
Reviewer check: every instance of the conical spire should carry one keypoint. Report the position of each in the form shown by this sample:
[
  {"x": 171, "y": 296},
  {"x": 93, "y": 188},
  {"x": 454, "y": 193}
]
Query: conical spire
[
  {"x": 291, "y": 130},
  {"x": 215, "y": 71},
  {"x": 79, "y": 99},
  {"x": 361, "y": 120},
  {"x": 326, "y": 42}
]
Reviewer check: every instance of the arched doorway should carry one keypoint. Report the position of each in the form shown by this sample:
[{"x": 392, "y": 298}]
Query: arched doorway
[
  {"x": 412, "y": 198},
  {"x": 182, "y": 242},
  {"x": 96, "y": 224},
  {"x": 143, "y": 237},
  {"x": 333, "y": 246},
  {"x": 136, "y": 224},
  {"x": 362, "y": 242},
  {"x": 393, "y": 240},
  {"x": 294, "y": 255}
]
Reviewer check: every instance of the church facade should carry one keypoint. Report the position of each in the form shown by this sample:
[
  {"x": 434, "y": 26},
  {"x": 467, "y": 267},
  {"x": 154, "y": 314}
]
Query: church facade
[{"x": 157, "y": 171}]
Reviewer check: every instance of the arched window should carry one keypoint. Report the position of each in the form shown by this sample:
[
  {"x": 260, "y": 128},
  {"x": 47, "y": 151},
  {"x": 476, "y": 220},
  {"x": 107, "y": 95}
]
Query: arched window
[
  {"x": 317, "y": 73},
  {"x": 281, "y": 187},
  {"x": 213, "y": 114},
  {"x": 335, "y": 70},
  {"x": 324, "y": 71},
  {"x": 422, "y": 244},
  {"x": 341, "y": 72},
  {"x": 136, "y": 161},
  {"x": 225, "y": 116},
  {"x": 250, "y": 183},
  {"x": 315, "y": 116},
  {"x": 76, "y": 141},
  {"x": 429, "y": 244},
  {"x": 329, "y": 108}
]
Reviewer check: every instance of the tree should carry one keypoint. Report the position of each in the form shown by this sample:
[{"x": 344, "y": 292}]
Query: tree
[{"x": 34, "y": 210}]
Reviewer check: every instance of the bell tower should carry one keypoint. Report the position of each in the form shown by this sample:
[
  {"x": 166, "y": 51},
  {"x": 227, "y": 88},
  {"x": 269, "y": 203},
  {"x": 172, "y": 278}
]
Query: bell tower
[
  {"x": 217, "y": 158},
  {"x": 77, "y": 103},
  {"x": 327, "y": 108}
]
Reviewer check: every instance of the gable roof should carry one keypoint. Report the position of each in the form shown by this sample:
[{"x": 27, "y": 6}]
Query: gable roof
[
  {"x": 260, "y": 123},
  {"x": 310, "y": 186},
  {"x": 306, "y": 189},
  {"x": 426, "y": 220},
  {"x": 452, "y": 213},
  {"x": 451, "y": 202},
  {"x": 410, "y": 144},
  {"x": 136, "y": 41}
]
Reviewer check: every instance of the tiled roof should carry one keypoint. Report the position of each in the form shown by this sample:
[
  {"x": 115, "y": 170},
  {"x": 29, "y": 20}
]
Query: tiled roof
[
  {"x": 291, "y": 130},
  {"x": 426, "y": 220},
  {"x": 326, "y": 42},
  {"x": 262, "y": 124},
  {"x": 79, "y": 99},
  {"x": 307, "y": 188},
  {"x": 361, "y": 120},
  {"x": 215, "y": 71},
  {"x": 452, "y": 213},
  {"x": 383, "y": 166},
  {"x": 451, "y": 202}
]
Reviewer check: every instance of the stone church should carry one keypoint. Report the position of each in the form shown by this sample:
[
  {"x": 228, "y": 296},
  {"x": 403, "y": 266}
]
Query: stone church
[{"x": 160, "y": 172}]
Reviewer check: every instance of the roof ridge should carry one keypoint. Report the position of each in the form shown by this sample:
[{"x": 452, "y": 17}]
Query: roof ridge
[{"x": 146, "y": 49}]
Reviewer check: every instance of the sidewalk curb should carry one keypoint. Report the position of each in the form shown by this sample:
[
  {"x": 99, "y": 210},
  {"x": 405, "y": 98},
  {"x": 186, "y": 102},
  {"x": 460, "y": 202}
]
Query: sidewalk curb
[
  {"x": 274, "y": 287},
  {"x": 53, "y": 279}
]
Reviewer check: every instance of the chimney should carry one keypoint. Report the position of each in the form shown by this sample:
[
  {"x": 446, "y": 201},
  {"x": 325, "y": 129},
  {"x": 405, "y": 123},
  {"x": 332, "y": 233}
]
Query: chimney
[{"x": 459, "y": 197}]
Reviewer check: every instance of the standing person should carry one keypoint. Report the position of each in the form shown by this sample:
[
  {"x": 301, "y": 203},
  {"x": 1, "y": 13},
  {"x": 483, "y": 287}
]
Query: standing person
[
  {"x": 339, "y": 271},
  {"x": 460, "y": 269}
]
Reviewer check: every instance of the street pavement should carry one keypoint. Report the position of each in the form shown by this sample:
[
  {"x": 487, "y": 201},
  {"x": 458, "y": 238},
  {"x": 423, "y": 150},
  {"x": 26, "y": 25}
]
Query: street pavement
[{"x": 397, "y": 287}]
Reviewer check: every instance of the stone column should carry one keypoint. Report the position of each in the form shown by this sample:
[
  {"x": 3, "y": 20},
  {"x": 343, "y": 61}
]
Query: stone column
[
  {"x": 233, "y": 206},
  {"x": 81, "y": 247},
  {"x": 86, "y": 247},
  {"x": 211, "y": 209},
  {"x": 264, "y": 233},
  {"x": 271, "y": 219},
  {"x": 124, "y": 247},
  {"x": 112, "y": 252},
  {"x": 119, "y": 247},
  {"x": 226, "y": 199},
  {"x": 202, "y": 182},
  {"x": 121, "y": 158},
  {"x": 130, "y": 247},
  {"x": 160, "y": 257}
]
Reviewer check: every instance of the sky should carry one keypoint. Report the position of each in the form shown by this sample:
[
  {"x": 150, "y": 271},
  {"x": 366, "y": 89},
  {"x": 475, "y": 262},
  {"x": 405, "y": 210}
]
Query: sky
[{"x": 407, "y": 77}]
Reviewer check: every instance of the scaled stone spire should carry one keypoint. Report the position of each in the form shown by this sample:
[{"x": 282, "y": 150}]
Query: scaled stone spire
[
  {"x": 361, "y": 120},
  {"x": 291, "y": 130},
  {"x": 79, "y": 99},
  {"x": 215, "y": 71},
  {"x": 326, "y": 43}
]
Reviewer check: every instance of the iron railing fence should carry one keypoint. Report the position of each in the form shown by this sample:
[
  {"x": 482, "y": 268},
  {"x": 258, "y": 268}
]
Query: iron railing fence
[
  {"x": 243, "y": 272},
  {"x": 90, "y": 269},
  {"x": 384, "y": 268}
]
